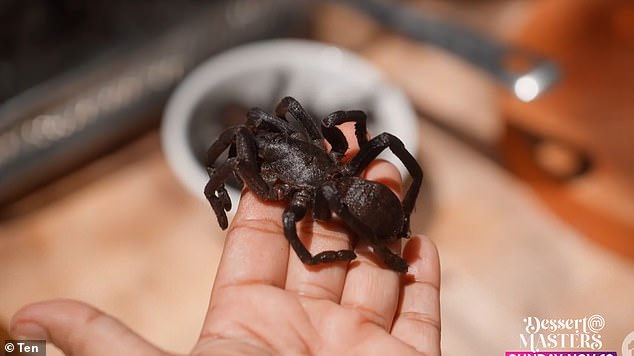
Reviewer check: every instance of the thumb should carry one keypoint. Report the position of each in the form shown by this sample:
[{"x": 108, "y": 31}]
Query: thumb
[{"x": 78, "y": 329}]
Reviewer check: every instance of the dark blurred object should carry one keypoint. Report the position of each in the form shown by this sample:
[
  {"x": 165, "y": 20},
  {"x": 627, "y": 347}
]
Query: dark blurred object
[
  {"x": 42, "y": 38},
  {"x": 77, "y": 78},
  {"x": 575, "y": 146}
]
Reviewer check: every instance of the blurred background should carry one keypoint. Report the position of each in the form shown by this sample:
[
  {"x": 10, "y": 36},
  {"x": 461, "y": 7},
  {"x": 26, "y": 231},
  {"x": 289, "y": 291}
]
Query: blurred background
[{"x": 525, "y": 119}]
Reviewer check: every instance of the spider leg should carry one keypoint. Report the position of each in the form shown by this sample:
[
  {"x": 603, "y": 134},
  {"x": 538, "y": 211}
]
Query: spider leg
[
  {"x": 334, "y": 135},
  {"x": 226, "y": 139},
  {"x": 392, "y": 260},
  {"x": 217, "y": 194},
  {"x": 247, "y": 165},
  {"x": 236, "y": 177},
  {"x": 290, "y": 105},
  {"x": 321, "y": 210},
  {"x": 242, "y": 159},
  {"x": 258, "y": 118},
  {"x": 296, "y": 212},
  {"x": 374, "y": 147}
]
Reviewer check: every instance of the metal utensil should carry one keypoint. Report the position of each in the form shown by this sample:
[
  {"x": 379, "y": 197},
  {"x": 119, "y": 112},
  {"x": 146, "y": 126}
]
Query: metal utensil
[{"x": 535, "y": 76}]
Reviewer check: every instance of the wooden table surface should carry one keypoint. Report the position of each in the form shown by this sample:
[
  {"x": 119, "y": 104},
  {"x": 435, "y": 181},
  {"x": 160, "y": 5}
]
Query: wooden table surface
[{"x": 124, "y": 235}]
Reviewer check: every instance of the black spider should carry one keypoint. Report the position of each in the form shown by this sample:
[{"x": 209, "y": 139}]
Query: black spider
[{"x": 287, "y": 160}]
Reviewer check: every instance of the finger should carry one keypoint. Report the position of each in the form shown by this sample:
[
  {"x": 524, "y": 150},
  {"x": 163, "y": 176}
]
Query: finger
[
  {"x": 370, "y": 287},
  {"x": 255, "y": 253},
  {"x": 78, "y": 329},
  {"x": 255, "y": 250},
  {"x": 417, "y": 320},
  {"x": 322, "y": 281}
]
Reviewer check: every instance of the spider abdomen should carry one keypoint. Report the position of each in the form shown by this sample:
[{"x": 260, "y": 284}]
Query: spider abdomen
[{"x": 374, "y": 204}]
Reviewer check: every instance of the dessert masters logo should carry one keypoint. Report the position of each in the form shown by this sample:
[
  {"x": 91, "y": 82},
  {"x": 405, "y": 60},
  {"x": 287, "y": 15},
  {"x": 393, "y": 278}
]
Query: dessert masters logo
[{"x": 562, "y": 334}]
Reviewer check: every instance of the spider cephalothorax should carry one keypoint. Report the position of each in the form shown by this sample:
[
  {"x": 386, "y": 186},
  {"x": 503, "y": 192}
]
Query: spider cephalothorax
[{"x": 287, "y": 160}]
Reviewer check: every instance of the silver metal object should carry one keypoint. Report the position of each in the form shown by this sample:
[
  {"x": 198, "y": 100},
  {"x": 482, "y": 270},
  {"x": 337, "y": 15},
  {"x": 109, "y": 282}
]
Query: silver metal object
[{"x": 537, "y": 75}]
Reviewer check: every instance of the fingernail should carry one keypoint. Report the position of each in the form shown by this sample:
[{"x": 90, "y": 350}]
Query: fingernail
[{"x": 29, "y": 330}]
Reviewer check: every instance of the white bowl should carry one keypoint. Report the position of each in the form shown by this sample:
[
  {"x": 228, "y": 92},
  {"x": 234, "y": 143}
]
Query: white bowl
[{"x": 321, "y": 77}]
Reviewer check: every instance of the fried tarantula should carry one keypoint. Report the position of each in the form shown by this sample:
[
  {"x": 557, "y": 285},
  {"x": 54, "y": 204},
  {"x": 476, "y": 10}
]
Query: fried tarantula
[{"x": 283, "y": 157}]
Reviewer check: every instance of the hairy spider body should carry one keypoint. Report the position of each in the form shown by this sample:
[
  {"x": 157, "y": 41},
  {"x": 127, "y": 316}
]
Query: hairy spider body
[
  {"x": 295, "y": 162},
  {"x": 360, "y": 196},
  {"x": 287, "y": 160}
]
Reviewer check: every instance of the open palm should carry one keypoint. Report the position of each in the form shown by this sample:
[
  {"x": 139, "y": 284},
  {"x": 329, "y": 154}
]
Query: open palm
[{"x": 265, "y": 301}]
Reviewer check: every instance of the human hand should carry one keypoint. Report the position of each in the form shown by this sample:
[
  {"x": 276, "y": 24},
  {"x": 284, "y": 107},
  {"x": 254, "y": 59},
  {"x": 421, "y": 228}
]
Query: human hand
[{"x": 265, "y": 301}]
